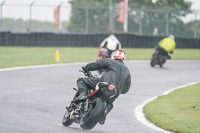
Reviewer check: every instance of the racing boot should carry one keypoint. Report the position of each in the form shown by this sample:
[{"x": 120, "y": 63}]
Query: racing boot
[
  {"x": 107, "y": 110},
  {"x": 82, "y": 96},
  {"x": 103, "y": 119}
]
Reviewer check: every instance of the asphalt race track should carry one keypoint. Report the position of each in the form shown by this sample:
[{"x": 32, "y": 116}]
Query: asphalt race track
[{"x": 33, "y": 100}]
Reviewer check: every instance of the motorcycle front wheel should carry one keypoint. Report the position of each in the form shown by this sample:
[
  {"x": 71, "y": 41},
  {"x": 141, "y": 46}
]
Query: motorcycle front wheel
[
  {"x": 66, "y": 121},
  {"x": 92, "y": 116},
  {"x": 161, "y": 61},
  {"x": 152, "y": 63},
  {"x": 153, "y": 60}
]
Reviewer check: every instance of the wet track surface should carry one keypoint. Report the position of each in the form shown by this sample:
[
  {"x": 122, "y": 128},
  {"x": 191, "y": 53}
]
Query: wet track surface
[{"x": 34, "y": 100}]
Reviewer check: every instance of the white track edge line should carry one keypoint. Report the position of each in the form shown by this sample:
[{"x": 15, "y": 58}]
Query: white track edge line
[
  {"x": 52, "y": 65},
  {"x": 41, "y": 66},
  {"x": 139, "y": 114}
]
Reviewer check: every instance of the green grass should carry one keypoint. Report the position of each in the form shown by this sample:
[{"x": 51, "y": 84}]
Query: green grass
[
  {"x": 178, "y": 111},
  {"x": 186, "y": 54},
  {"x": 24, "y": 56}
]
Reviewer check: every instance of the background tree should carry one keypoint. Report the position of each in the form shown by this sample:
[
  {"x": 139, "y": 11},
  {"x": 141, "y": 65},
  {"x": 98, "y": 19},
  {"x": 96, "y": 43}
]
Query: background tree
[
  {"x": 89, "y": 16},
  {"x": 151, "y": 15},
  {"x": 92, "y": 16}
]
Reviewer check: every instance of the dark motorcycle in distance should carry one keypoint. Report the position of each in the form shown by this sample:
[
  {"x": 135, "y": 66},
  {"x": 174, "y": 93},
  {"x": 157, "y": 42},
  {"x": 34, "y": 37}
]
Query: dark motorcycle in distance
[
  {"x": 158, "y": 59},
  {"x": 88, "y": 112}
]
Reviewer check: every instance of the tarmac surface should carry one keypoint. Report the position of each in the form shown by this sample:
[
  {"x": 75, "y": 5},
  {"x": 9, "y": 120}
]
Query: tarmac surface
[{"x": 33, "y": 100}]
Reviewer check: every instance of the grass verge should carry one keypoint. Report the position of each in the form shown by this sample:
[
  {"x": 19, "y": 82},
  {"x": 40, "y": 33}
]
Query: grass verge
[
  {"x": 178, "y": 111},
  {"x": 24, "y": 56}
]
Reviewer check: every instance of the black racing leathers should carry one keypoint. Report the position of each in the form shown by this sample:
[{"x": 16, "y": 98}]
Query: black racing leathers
[{"x": 115, "y": 72}]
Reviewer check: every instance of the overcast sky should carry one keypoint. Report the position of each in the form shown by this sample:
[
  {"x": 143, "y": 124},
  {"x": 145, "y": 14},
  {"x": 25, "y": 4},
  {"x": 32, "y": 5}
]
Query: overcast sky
[
  {"x": 47, "y": 13},
  {"x": 41, "y": 10},
  {"x": 195, "y": 4}
]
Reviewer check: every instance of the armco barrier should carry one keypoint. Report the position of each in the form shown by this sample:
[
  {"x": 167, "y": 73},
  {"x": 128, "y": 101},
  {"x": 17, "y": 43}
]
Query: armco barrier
[{"x": 87, "y": 40}]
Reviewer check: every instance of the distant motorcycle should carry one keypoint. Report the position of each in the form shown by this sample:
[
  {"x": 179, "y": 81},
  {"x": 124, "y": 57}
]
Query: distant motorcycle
[
  {"x": 158, "y": 59},
  {"x": 87, "y": 112}
]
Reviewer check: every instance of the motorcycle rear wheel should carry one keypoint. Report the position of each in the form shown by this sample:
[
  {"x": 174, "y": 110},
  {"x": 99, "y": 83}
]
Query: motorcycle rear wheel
[{"x": 93, "y": 115}]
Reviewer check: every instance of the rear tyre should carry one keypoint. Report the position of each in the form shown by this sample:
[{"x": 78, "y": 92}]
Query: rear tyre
[
  {"x": 66, "y": 121},
  {"x": 93, "y": 115}
]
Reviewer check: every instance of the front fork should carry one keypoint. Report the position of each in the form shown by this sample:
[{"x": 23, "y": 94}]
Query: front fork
[
  {"x": 78, "y": 109},
  {"x": 86, "y": 105}
]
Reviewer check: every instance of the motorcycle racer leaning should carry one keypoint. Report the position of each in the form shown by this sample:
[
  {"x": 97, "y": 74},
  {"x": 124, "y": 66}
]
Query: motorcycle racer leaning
[
  {"x": 166, "y": 46},
  {"x": 115, "y": 74},
  {"x": 108, "y": 45}
]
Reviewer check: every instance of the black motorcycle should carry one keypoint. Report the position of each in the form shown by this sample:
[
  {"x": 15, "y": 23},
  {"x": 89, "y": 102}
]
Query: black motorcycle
[
  {"x": 87, "y": 112},
  {"x": 158, "y": 59}
]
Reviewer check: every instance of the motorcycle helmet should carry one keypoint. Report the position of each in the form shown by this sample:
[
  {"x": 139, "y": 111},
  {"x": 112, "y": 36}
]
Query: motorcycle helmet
[
  {"x": 171, "y": 36},
  {"x": 112, "y": 42},
  {"x": 118, "y": 54},
  {"x": 112, "y": 35}
]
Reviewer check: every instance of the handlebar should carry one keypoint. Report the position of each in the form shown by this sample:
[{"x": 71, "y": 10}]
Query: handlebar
[{"x": 87, "y": 73}]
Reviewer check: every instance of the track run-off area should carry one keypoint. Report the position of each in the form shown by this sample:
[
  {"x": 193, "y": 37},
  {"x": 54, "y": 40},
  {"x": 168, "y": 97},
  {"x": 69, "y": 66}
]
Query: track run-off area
[{"x": 33, "y": 99}]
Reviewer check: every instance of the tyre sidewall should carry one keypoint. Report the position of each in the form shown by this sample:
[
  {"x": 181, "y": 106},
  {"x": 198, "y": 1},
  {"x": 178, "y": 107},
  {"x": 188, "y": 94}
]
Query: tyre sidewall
[
  {"x": 66, "y": 121},
  {"x": 96, "y": 113}
]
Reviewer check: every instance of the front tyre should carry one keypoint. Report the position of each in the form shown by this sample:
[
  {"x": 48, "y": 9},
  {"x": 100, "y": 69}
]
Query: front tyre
[
  {"x": 66, "y": 121},
  {"x": 152, "y": 63},
  {"x": 94, "y": 113},
  {"x": 153, "y": 60}
]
